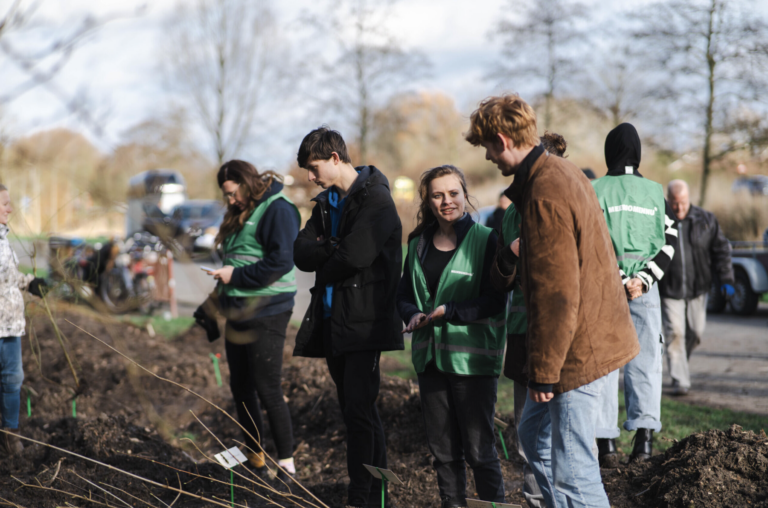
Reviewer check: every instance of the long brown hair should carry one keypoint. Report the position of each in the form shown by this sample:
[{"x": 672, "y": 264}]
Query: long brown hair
[
  {"x": 253, "y": 185},
  {"x": 425, "y": 217}
]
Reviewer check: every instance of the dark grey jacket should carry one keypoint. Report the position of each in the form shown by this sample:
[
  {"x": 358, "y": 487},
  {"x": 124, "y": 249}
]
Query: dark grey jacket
[
  {"x": 363, "y": 264},
  {"x": 711, "y": 255}
]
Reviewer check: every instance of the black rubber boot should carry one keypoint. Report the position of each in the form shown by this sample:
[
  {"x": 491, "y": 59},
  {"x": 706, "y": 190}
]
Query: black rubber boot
[
  {"x": 607, "y": 455},
  {"x": 643, "y": 445},
  {"x": 449, "y": 503}
]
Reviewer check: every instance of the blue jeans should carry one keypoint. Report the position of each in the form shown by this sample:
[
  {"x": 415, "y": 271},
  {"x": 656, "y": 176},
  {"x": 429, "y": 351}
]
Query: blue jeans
[
  {"x": 11, "y": 376},
  {"x": 642, "y": 375},
  {"x": 557, "y": 438}
]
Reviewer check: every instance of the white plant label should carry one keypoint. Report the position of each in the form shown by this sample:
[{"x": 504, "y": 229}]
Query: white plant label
[{"x": 230, "y": 458}]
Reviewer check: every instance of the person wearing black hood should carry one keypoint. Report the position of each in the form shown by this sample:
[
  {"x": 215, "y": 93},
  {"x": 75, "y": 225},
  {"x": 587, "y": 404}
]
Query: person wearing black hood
[
  {"x": 353, "y": 243},
  {"x": 644, "y": 235}
]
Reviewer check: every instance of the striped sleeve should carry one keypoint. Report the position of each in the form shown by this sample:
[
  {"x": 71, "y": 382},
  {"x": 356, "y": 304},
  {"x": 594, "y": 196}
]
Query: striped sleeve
[{"x": 655, "y": 268}]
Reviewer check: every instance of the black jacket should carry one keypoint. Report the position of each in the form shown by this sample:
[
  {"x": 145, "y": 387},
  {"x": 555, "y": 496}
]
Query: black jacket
[
  {"x": 711, "y": 254},
  {"x": 276, "y": 232},
  {"x": 363, "y": 266},
  {"x": 489, "y": 302}
]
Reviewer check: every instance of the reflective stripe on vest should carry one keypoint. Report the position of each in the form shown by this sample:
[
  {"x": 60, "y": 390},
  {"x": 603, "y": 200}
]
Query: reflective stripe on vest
[
  {"x": 517, "y": 319},
  {"x": 242, "y": 257},
  {"x": 460, "y": 349},
  {"x": 468, "y": 349},
  {"x": 634, "y": 210},
  {"x": 242, "y": 249}
]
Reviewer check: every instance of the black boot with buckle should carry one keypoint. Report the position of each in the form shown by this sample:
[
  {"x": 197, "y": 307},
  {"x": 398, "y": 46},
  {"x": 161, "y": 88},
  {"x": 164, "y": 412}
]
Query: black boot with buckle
[
  {"x": 607, "y": 455},
  {"x": 643, "y": 445}
]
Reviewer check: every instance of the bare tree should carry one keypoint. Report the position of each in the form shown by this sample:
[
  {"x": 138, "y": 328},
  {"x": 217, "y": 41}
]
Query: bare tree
[
  {"x": 540, "y": 44},
  {"x": 370, "y": 66},
  {"x": 614, "y": 85},
  {"x": 712, "y": 55},
  {"x": 39, "y": 66},
  {"x": 227, "y": 58}
]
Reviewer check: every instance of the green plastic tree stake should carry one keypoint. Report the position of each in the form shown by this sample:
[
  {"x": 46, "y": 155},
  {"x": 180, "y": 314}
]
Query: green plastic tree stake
[
  {"x": 74, "y": 408},
  {"x": 504, "y": 447},
  {"x": 215, "y": 360},
  {"x": 231, "y": 483},
  {"x": 29, "y": 405},
  {"x": 383, "y": 479}
]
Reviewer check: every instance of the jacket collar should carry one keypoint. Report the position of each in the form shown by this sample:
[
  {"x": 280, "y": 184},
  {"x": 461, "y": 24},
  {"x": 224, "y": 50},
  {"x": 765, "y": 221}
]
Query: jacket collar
[
  {"x": 367, "y": 176},
  {"x": 515, "y": 191},
  {"x": 3, "y": 231},
  {"x": 461, "y": 227}
]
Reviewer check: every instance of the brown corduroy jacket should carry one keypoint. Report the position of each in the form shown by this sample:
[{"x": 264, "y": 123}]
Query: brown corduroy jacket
[{"x": 579, "y": 326}]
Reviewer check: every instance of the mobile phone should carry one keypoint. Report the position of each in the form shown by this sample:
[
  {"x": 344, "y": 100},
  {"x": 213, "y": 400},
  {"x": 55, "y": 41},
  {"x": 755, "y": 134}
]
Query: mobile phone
[{"x": 206, "y": 269}]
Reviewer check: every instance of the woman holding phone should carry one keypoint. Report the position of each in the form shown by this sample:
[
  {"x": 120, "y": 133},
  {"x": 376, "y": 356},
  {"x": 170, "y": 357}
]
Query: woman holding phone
[
  {"x": 457, "y": 320},
  {"x": 256, "y": 292}
]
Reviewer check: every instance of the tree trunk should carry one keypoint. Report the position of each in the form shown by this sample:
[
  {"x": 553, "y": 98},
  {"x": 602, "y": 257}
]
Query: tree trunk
[
  {"x": 548, "y": 97},
  {"x": 707, "y": 155}
]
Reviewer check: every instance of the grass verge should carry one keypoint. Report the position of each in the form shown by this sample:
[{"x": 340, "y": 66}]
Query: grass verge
[{"x": 169, "y": 329}]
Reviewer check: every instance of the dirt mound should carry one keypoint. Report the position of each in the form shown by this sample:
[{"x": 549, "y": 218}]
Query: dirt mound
[
  {"x": 714, "y": 468},
  {"x": 129, "y": 420}
]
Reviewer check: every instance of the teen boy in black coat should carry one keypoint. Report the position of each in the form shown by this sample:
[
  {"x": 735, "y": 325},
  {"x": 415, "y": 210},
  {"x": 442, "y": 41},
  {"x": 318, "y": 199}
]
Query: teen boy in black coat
[{"x": 352, "y": 242}]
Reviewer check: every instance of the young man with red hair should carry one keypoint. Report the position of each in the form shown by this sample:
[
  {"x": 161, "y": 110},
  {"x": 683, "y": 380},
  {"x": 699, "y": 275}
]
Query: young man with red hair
[{"x": 579, "y": 327}]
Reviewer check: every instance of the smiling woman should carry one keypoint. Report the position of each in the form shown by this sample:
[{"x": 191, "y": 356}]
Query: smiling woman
[{"x": 457, "y": 319}]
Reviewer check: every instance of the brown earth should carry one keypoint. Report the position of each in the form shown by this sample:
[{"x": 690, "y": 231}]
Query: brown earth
[{"x": 134, "y": 423}]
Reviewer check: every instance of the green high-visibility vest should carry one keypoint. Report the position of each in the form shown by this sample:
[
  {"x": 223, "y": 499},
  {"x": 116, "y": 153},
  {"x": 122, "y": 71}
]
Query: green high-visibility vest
[
  {"x": 468, "y": 349},
  {"x": 517, "y": 319},
  {"x": 242, "y": 249},
  {"x": 634, "y": 210}
]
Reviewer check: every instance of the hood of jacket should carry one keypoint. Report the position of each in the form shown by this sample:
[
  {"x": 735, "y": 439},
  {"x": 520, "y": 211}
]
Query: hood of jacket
[
  {"x": 368, "y": 176},
  {"x": 271, "y": 191},
  {"x": 622, "y": 150}
]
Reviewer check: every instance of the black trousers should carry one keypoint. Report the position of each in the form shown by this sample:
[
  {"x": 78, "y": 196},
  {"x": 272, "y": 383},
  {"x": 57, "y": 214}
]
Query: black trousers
[
  {"x": 458, "y": 416},
  {"x": 255, "y": 374},
  {"x": 357, "y": 379}
]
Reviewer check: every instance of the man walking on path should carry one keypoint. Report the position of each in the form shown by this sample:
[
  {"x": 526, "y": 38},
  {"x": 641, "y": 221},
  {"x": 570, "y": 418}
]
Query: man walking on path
[
  {"x": 352, "y": 242},
  {"x": 643, "y": 233},
  {"x": 579, "y": 328},
  {"x": 703, "y": 250}
]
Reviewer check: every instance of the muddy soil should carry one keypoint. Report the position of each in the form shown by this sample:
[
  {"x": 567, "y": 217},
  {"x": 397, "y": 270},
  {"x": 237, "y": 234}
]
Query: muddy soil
[
  {"x": 131, "y": 422},
  {"x": 714, "y": 468}
]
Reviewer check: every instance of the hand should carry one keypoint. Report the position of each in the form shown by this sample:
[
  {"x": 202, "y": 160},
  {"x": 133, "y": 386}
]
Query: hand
[
  {"x": 417, "y": 321},
  {"x": 538, "y": 396},
  {"x": 515, "y": 246},
  {"x": 728, "y": 291},
  {"x": 321, "y": 238},
  {"x": 634, "y": 288},
  {"x": 436, "y": 314},
  {"x": 224, "y": 274},
  {"x": 208, "y": 323},
  {"x": 37, "y": 287}
]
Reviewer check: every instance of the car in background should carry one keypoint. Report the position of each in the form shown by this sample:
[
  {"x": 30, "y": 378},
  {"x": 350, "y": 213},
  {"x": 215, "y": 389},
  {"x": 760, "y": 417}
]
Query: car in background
[
  {"x": 205, "y": 242},
  {"x": 756, "y": 185},
  {"x": 750, "y": 269},
  {"x": 192, "y": 218}
]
